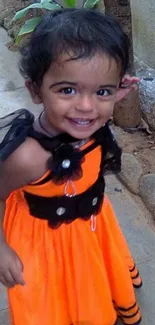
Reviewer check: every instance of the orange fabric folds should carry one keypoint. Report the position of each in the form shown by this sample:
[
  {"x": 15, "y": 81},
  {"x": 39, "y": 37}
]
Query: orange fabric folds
[{"x": 73, "y": 275}]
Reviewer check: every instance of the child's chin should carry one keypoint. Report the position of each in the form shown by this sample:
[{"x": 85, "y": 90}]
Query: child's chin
[{"x": 82, "y": 132}]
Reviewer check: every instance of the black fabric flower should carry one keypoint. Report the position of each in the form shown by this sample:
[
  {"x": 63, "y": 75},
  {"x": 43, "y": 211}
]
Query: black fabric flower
[{"x": 65, "y": 163}]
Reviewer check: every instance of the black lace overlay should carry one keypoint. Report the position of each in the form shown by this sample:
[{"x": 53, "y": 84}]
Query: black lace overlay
[{"x": 14, "y": 129}]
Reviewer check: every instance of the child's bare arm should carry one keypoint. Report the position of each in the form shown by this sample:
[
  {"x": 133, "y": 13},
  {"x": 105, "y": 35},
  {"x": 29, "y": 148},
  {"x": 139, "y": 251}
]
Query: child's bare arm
[
  {"x": 21, "y": 168},
  {"x": 2, "y": 211},
  {"x": 11, "y": 266}
]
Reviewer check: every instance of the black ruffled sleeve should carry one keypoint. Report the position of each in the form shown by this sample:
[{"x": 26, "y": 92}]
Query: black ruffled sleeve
[{"x": 14, "y": 129}]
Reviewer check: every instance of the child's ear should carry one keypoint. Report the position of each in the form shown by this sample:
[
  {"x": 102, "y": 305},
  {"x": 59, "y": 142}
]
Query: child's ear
[
  {"x": 127, "y": 85},
  {"x": 34, "y": 92}
]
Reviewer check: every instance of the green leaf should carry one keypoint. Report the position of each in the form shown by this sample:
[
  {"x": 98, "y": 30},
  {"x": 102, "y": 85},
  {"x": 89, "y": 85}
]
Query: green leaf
[
  {"x": 90, "y": 3},
  {"x": 44, "y": 5},
  {"x": 70, "y": 3},
  {"x": 28, "y": 27},
  {"x": 47, "y": 1},
  {"x": 21, "y": 13},
  {"x": 50, "y": 6}
]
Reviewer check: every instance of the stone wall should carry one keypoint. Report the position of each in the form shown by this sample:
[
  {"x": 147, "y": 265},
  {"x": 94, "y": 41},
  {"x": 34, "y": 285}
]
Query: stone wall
[
  {"x": 143, "y": 14},
  {"x": 4, "y": 4}
]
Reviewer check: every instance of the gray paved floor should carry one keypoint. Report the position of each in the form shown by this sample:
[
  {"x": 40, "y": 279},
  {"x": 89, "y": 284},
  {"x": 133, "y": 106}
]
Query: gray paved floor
[{"x": 136, "y": 224}]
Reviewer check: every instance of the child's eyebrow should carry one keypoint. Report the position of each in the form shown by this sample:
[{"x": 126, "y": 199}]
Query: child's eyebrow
[
  {"x": 62, "y": 83},
  {"x": 65, "y": 82},
  {"x": 109, "y": 86}
]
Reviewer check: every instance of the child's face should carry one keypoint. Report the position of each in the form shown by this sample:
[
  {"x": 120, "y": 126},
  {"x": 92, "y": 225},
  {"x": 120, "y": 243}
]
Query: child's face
[{"x": 79, "y": 95}]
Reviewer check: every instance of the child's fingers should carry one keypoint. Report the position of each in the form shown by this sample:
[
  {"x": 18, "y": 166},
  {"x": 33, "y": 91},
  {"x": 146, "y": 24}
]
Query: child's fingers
[
  {"x": 9, "y": 279},
  {"x": 129, "y": 77},
  {"x": 19, "y": 264},
  {"x": 19, "y": 279},
  {"x": 6, "y": 282},
  {"x": 17, "y": 276},
  {"x": 16, "y": 271},
  {"x": 128, "y": 85},
  {"x": 130, "y": 80},
  {"x": 3, "y": 281},
  {"x": 134, "y": 87}
]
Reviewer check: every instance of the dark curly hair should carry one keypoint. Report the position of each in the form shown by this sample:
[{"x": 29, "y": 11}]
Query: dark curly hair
[{"x": 82, "y": 32}]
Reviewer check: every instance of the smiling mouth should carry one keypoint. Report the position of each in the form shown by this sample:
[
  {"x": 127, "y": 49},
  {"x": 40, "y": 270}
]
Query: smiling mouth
[{"x": 81, "y": 122}]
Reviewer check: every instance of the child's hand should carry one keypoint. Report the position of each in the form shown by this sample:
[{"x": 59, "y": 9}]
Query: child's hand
[
  {"x": 11, "y": 266},
  {"x": 127, "y": 85}
]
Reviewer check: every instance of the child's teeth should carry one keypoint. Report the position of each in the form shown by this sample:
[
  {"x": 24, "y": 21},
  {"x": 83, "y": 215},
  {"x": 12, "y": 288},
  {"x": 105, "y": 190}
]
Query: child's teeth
[{"x": 82, "y": 122}]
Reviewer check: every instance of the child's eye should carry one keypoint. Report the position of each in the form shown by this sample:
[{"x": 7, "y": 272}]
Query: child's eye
[
  {"x": 68, "y": 91},
  {"x": 103, "y": 92}
]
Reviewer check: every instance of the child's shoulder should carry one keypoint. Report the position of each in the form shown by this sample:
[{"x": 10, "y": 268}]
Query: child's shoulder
[
  {"x": 25, "y": 165},
  {"x": 29, "y": 155}
]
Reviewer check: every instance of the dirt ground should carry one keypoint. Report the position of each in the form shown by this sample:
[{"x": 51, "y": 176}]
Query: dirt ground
[
  {"x": 141, "y": 144},
  {"x": 16, "y": 5}
]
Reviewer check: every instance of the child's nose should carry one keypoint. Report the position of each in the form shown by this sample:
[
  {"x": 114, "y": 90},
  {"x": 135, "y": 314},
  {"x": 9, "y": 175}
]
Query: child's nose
[{"x": 85, "y": 104}]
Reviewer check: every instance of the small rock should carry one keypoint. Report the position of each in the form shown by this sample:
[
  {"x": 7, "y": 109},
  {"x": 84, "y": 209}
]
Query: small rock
[
  {"x": 4, "y": 14},
  {"x": 131, "y": 172},
  {"x": 146, "y": 92},
  {"x": 116, "y": 189},
  {"x": 14, "y": 30},
  {"x": 7, "y": 23},
  {"x": 10, "y": 86},
  {"x": 148, "y": 78},
  {"x": 147, "y": 191}
]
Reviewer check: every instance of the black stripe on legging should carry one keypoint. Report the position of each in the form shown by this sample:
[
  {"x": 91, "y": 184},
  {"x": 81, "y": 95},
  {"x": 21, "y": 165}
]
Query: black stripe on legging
[
  {"x": 137, "y": 323},
  {"x": 130, "y": 316},
  {"x": 137, "y": 286},
  {"x": 126, "y": 309},
  {"x": 133, "y": 268},
  {"x": 135, "y": 276}
]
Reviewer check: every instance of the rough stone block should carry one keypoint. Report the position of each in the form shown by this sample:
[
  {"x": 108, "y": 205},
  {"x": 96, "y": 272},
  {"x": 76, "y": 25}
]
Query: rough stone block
[
  {"x": 147, "y": 191},
  {"x": 131, "y": 172}
]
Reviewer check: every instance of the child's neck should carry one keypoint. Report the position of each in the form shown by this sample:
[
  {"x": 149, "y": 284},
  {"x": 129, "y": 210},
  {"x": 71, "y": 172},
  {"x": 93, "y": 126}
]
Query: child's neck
[{"x": 44, "y": 126}]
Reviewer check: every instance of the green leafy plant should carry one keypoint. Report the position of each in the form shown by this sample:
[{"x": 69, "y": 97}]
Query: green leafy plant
[
  {"x": 38, "y": 9},
  {"x": 90, "y": 3}
]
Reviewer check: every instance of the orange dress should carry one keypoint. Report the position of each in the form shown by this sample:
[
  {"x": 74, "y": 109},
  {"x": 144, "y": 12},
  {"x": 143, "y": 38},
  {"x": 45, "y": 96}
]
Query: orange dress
[{"x": 80, "y": 273}]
